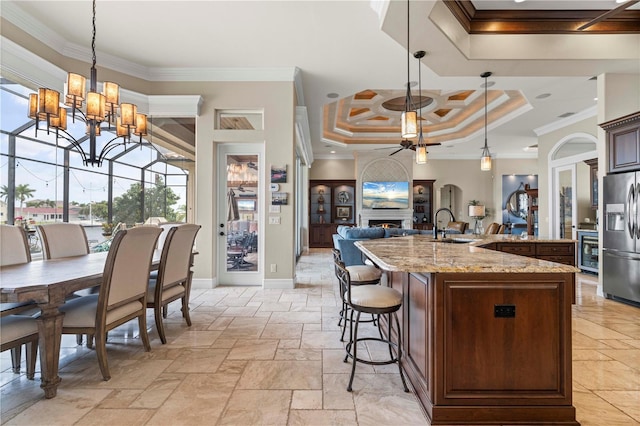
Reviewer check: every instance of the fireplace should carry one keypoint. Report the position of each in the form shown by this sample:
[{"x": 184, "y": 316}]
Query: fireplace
[
  {"x": 371, "y": 217},
  {"x": 385, "y": 223}
]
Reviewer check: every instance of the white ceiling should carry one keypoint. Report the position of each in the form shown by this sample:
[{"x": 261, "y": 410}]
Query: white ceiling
[{"x": 345, "y": 47}]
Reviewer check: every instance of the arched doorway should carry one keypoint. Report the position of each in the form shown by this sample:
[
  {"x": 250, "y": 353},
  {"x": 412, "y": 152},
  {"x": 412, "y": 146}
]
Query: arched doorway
[{"x": 567, "y": 184}]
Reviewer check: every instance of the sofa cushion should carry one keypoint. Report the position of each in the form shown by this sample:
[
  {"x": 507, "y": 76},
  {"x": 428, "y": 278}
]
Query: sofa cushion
[
  {"x": 353, "y": 233},
  {"x": 398, "y": 232}
]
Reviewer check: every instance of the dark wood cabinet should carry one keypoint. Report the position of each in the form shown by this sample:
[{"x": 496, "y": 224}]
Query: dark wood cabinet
[
  {"x": 559, "y": 252},
  {"x": 331, "y": 203},
  {"x": 623, "y": 143},
  {"x": 423, "y": 204},
  {"x": 593, "y": 182}
]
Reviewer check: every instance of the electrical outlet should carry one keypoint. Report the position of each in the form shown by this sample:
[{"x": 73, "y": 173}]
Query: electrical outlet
[
  {"x": 274, "y": 220},
  {"x": 274, "y": 267}
]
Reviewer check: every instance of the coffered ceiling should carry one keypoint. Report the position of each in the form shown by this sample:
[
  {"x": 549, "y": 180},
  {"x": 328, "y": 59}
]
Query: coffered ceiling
[{"x": 352, "y": 56}]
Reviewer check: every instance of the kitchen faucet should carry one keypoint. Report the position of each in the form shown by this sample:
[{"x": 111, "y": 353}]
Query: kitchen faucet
[{"x": 435, "y": 220}]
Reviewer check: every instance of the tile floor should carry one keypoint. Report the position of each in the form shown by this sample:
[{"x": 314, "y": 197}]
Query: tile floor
[{"x": 258, "y": 356}]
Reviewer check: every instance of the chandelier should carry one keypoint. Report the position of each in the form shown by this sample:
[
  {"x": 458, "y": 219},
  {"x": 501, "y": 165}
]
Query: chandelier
[
  {"x": 100, "y": 108},
  {"x": 485, "y": 161},
  {"x": 409, "y": 118}
]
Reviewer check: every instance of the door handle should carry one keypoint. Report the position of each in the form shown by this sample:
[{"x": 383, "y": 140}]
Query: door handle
[
  {"x": 631, "y": 220},
  {"x": 637, "y": 212}
]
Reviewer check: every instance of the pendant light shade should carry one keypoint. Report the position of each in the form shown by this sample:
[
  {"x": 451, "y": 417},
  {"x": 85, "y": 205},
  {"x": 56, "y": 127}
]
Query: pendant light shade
[
  {"x": 485, "y": 161},
  {"x": 409, "y": 124},
  {"x": 421, "y": 154}
]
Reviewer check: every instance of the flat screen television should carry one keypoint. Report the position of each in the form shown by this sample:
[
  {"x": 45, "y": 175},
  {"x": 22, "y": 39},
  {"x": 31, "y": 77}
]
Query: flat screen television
[{"x": 385, "y": 195}]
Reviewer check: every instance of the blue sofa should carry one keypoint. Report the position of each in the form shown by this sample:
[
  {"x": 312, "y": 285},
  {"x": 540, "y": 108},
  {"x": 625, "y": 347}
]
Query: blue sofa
[{"x": 346, "y": 237}]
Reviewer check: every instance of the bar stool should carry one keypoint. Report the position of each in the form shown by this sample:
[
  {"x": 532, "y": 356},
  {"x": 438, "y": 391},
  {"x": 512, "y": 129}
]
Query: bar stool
[
  {"x": 375, "y": 300},
  {"x": 360, "y": 275}
]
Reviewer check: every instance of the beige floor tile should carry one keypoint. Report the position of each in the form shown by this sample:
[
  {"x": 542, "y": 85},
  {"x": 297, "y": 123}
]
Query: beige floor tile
[
  {"x": 282, "y": 375},
  {"x": 198, "y": 360},
  {"x": 299, "y": 354},
  {"x": 321, "y": 417},
  {"x": 306, "y": 400},
  {"x": 629, "y": 357},
  {"x": 608, "y": 375},
  {"x": 253, "y": 349},
  {"x": 199, "y": 399},
  {"x": 591, "y": 410},
  {"x": 67, "y": 407},
  {"x": 626, "y": 401},
  {"x": 282, "y": 331},
  {"x": 110, "y": 417},
  {"x": 190, "y": 339},
  {"x": 257, "y": 407}
]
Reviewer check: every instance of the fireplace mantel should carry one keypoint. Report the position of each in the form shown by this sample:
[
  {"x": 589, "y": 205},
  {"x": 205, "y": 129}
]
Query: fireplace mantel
[{"x": 405, "y": 215}]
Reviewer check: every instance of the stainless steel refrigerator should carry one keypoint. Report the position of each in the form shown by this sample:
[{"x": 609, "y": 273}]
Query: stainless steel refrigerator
[{"x": 621, "y": 236}]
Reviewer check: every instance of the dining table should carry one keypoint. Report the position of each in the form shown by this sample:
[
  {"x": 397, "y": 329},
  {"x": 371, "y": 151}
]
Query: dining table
[{"x": 48, "y": 283}]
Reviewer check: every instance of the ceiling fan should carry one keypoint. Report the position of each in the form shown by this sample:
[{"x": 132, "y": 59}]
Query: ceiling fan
[
  {"x": 252, "y": 165},
  {"x": 608, "y": 14},
  {"x": 407, "y": 144},
  {"x": 241, "y": 188}
]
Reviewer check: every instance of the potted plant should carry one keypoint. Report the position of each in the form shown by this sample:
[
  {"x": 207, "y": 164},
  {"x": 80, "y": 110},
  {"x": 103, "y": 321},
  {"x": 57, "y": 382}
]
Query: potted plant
[{"x": 107, "y": 228}]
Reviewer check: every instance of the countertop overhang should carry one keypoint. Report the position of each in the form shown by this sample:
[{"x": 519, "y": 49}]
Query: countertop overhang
[{"x": 423, "y": 254}]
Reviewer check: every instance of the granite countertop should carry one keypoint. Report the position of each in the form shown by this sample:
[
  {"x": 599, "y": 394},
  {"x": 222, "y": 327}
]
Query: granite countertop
[{"x": 421, "y": 253}]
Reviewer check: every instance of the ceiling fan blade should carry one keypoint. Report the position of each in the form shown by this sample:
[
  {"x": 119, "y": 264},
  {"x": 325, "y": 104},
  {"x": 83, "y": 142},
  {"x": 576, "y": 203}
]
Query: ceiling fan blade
[
  {"x": 608, "y": 14},
  {"x": 384, "y": 147},
  {"x": 412, "y": 148},
  {"x": 433, "y": 144},
  {"x": 395, "y": 152}
]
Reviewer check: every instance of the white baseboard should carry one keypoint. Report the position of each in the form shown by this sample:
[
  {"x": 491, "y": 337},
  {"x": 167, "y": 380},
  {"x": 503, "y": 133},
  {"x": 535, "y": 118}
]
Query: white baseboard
[
  {"x": 286, "y": 283},
  {"x": 204, "y": 283}
]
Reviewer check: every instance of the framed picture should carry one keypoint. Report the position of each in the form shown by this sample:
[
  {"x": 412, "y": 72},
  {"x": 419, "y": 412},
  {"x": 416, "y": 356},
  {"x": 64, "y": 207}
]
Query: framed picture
[
  {"x": 278, "y": 174},
  {"x": 279, "y": 198},
  {"x": 248, "y": 205},
  {"x": 343, "y": 212}
]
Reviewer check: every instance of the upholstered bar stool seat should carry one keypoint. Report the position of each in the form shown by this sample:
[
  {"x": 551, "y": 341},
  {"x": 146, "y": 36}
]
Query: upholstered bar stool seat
[
  {"x": 375, "y": 297},
  {"x": 361, "y": 274}
]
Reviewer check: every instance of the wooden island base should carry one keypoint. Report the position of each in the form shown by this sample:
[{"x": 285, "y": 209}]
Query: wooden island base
[{"x": 489, "y": 348}]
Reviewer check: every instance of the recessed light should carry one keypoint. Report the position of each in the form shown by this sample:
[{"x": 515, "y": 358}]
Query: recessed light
[
  {"x": 595, "y": 99},
  {"x": 332, "y": 95},
  {"x": 519, "y": 1},
  {"x": 332, "y": 152}
]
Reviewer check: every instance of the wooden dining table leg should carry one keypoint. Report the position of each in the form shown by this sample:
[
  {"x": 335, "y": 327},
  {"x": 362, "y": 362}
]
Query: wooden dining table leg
[{"x": 50, "y": 330}]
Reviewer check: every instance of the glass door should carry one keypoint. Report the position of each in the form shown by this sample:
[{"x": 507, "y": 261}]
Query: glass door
[
  {"x": 240, "y": 214},
  {"x": 564, "y": 201}
]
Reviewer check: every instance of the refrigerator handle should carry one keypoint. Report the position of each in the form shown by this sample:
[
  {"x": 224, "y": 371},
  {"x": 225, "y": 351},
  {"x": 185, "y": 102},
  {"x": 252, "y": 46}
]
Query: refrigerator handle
[
  {"x": 630, "y": 207},
  {"x": 637, "y": 212}
]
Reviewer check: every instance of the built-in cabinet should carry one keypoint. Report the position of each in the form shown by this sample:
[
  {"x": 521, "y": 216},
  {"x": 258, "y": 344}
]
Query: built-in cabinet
[
  {"x": 532, "y": 210},
  {"x": 423, "y": 204},
  {"x": 623, "y": 143},
  {"x": 331, "y": 203}
]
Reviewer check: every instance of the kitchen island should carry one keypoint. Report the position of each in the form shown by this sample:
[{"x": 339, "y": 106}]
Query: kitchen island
[{"x": 486, "y": 335}]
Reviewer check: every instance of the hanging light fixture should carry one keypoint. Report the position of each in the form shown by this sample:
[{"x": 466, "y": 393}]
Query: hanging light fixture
[
  {"x": 421, "y": 147},
  {"x": 100, "y": 107},
  {"x": 409, "y": 116},
  {"x": 485, "y": 161}
]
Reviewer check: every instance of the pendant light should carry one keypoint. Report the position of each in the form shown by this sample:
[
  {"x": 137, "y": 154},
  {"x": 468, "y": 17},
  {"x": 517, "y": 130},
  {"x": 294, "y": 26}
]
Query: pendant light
[
  {"x": 485, "y": 161},
  {"x": 409, "y": 118},
  {"x": 421, "y": 147}
]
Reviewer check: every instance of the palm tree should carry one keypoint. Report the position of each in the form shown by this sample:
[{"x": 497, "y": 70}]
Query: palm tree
[
  {"x": 22, "y": 193},
  {"x": 4, "y": 193}
]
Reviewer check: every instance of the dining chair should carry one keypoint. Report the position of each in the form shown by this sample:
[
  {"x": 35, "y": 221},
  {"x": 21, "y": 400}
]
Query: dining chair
[
  {"x": 18, "y": 330},
  {"x": 501, "y": 229},
  {"x": 173, "y": 281},
  {"x": 63, "y": 240},
  {"x": 122, "y": 296},
  {"x": 457, "y": 227},
  {"x": 14, "y": 250},
  {"x": 492, "y": 228}
]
